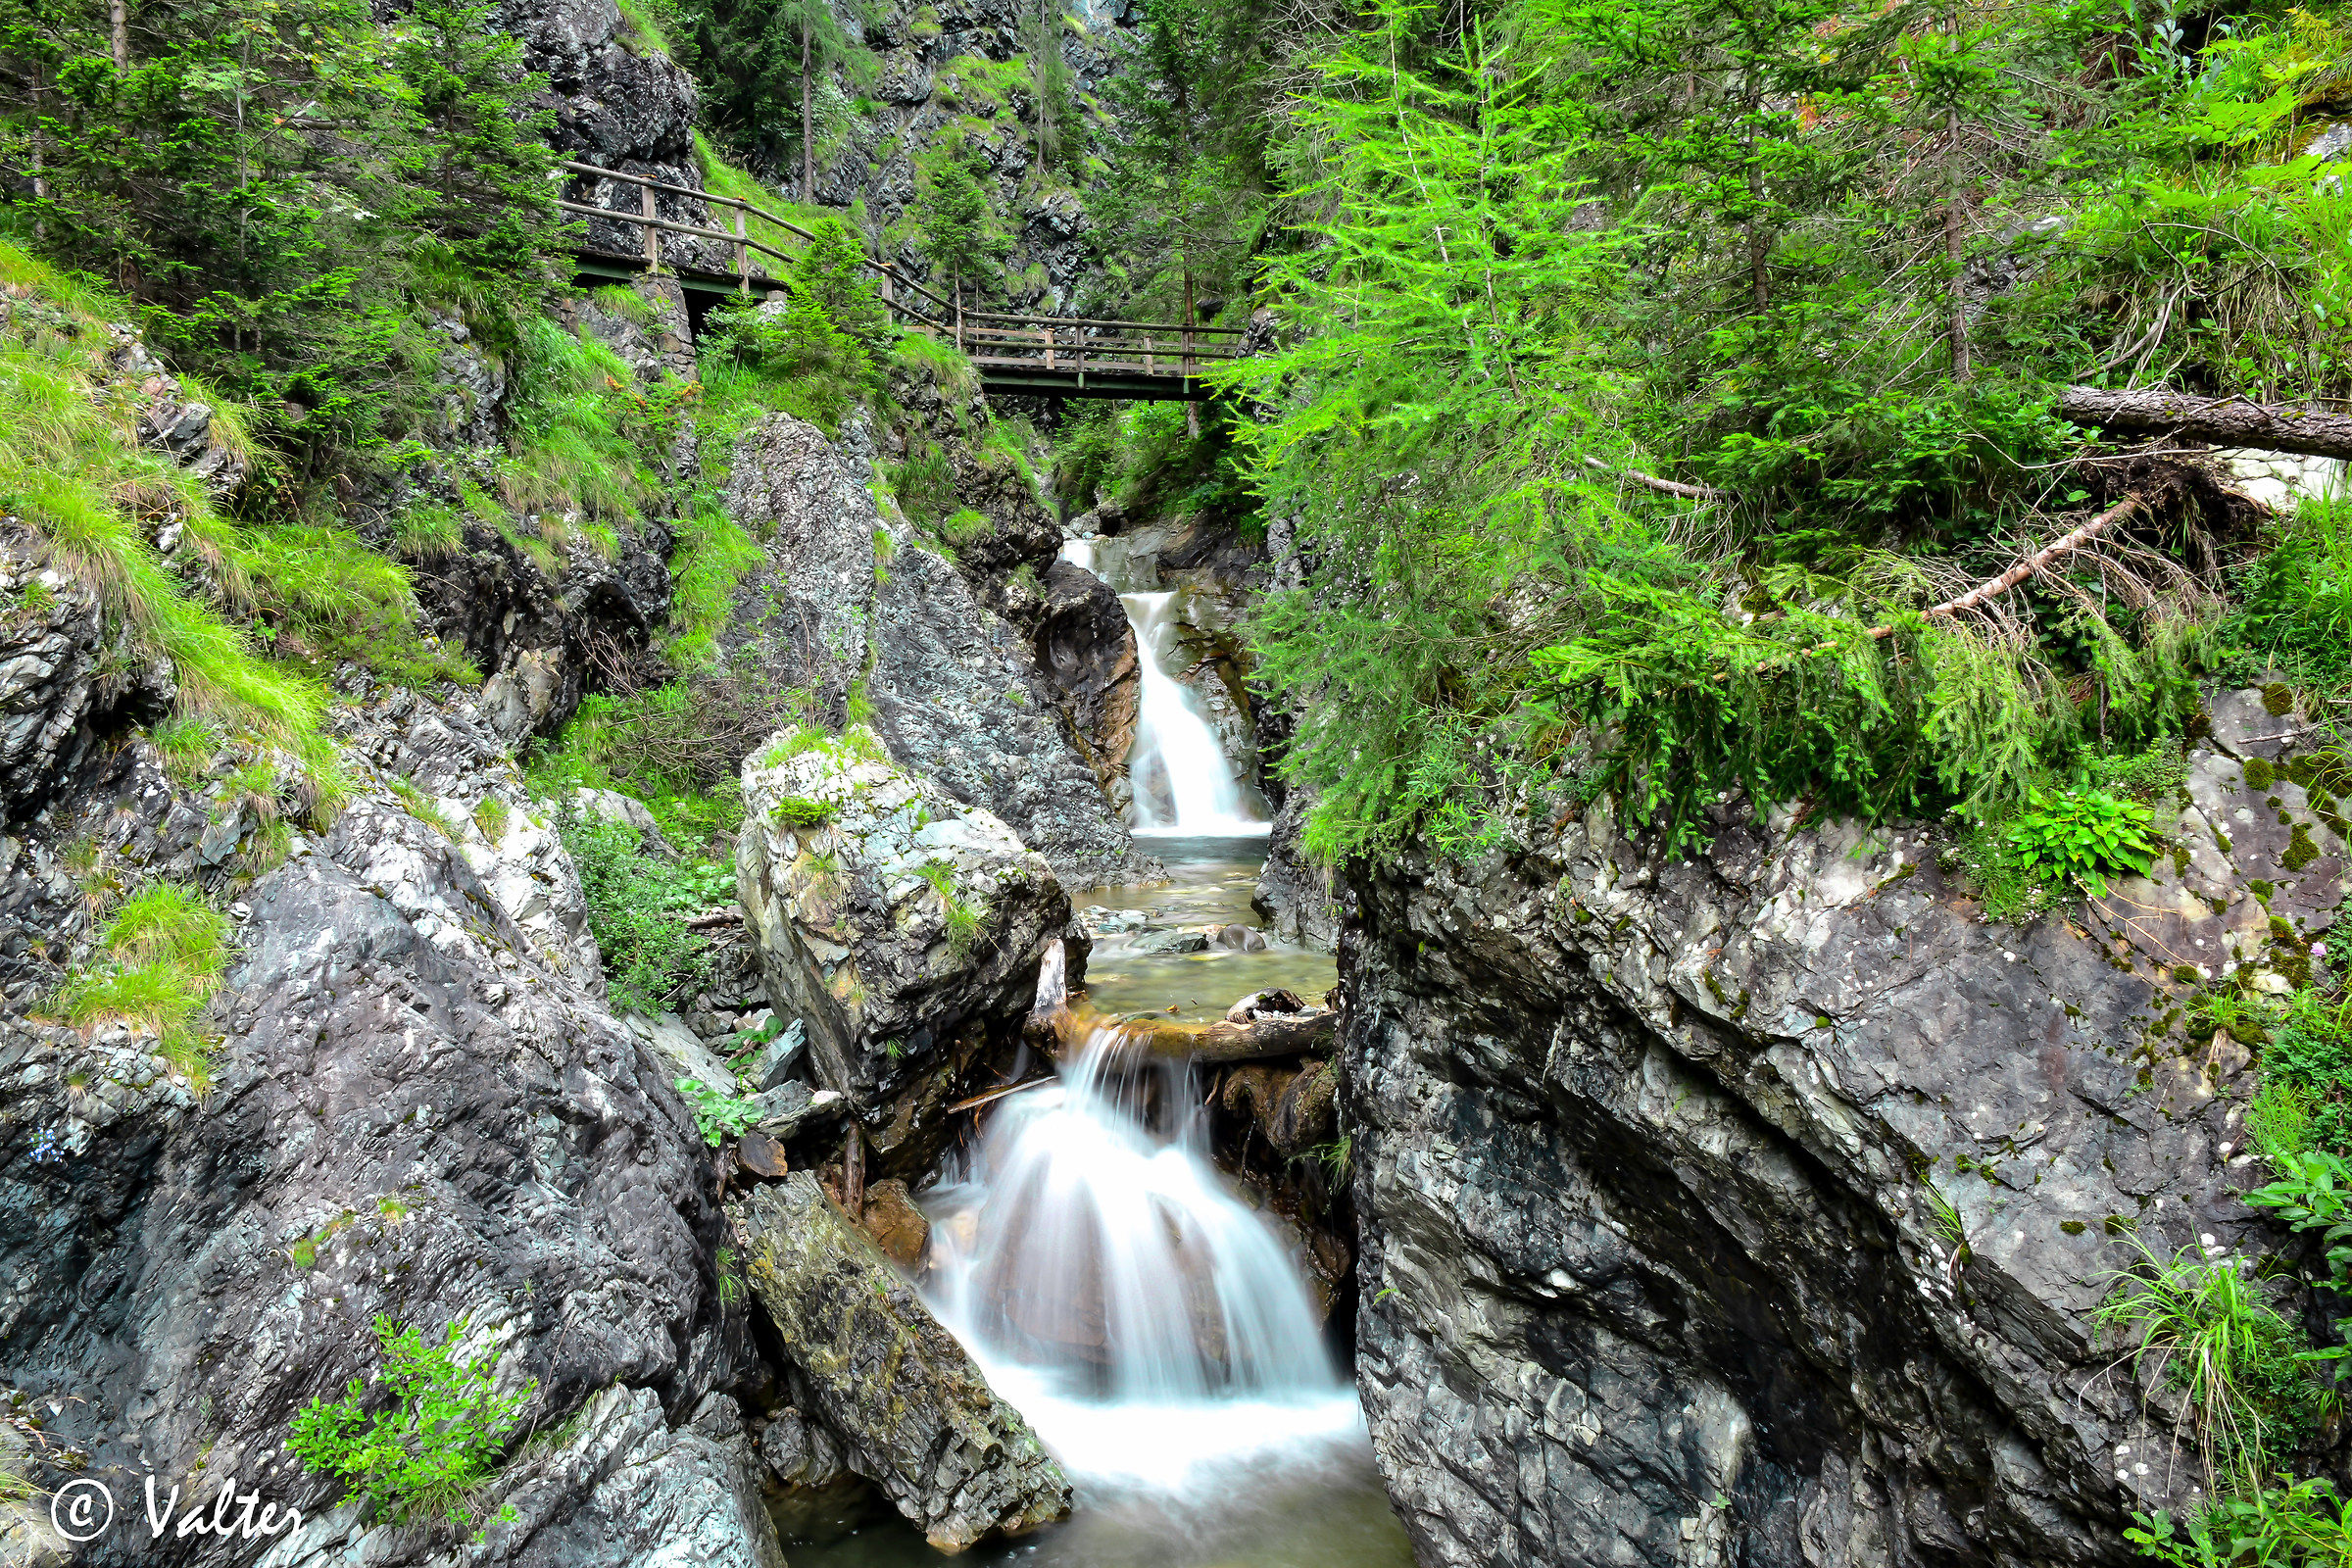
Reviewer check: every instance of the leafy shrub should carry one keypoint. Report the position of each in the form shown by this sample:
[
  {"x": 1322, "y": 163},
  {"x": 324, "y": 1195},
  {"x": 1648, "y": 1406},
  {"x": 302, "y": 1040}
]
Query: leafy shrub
[
  {"x": 637, "y": 908},
  {"x": 798, "y": 811},
  {"x": 717, "y": 1116},
  {"x": 441, "y": 1438},
  {"x": 2314, "y": 1192},
  {"x": 2308, "y": 1056},
  {"x": 2083, "y": 837}
]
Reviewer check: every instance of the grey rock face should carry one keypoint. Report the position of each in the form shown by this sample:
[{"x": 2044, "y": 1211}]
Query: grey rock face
[
  {"x": 802, "y": 616},
  {"x": 1649, "y": 1158},
  {"x": 904, "y": 1012},
  {"x": 1300, "y": 901},
  {"x": 959, "y": 698},
  {"x": 543, "y": 637},
  {"x": 954, "y": 692},
  {"x": 908, "y": 1404},
  {"x": 1086, "y": 648},
  {"x": 413, "y": 1113},
  {"x": 54, "y": 688}
]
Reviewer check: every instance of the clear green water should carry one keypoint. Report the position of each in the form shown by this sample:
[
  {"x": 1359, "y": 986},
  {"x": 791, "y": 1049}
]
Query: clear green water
[
  {"x": 1240, "y": 1484},
  {"x": 1213, "y": 879}
]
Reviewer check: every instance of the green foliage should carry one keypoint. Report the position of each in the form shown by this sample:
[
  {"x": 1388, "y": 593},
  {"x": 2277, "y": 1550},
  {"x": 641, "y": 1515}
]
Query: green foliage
[
  {"x": 440, "y": 1439},
  {"x": 676, "y": 748},
  {"x": 1806, "y": 190},
  {"x": 2297, "y": 1522},
  {"x": 2309, "y": 1061},
  {"x": 763, "y": 67},
  {"x": 291, "y": 186},
  {"x": 794, "y": 810},
  {"x": 717, "y": 1116},
  {"x": 2314, "y": 1192},
  {"x": 957, "y": 232},
  {"x": 165, "y": 951},
  {"x": 2083, "y": 837},
  {"x": 2295, "y": 610},
  {"x": 2204, "y": 1325},
  {"x": 638, "y": 905},
  {"x": 730, "y": 1276}
]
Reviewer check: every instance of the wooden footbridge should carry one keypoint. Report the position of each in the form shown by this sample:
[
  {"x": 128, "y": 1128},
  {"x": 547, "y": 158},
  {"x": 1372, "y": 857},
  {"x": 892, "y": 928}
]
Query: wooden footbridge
[{"x": 1051, "y": 356}]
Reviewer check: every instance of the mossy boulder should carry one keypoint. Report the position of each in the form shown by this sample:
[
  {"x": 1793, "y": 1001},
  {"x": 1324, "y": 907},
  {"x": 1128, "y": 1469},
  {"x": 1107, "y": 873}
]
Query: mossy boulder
[{"x": 907, "y": 1401}]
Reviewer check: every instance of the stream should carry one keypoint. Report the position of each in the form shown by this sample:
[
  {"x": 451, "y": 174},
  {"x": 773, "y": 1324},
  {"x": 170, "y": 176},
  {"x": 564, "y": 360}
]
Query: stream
[{"x": 1117, "y": 1289}]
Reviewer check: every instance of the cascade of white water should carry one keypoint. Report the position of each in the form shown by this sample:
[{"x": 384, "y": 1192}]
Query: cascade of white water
[
  {"x": 1184, "y": 782},
  {"x": 1151, "y": 1326}
]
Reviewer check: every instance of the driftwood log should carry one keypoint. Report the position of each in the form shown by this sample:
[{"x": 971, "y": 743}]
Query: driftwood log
[
  {"x": 2303, "y": 427},
  {"x": 1269, "y": 1035}
]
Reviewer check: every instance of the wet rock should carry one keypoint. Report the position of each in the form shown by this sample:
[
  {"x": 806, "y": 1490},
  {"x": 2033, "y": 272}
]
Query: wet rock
[
  {"x": 905, "y": 929},
  {"x": 774, "y": 1056},
  {"x": 1170, "y": 942},
  {"x": 1298, "y": 900},
  {"x": 1241, "y": 939},
  {"x": 912, "y": 1410},
  {"x": 812, "y": 1493},
  {"x": 761, "y": 1155},
  {"x": 413, "y": 1113},
  {"x": 955, "y": 694},
  {"x": 1264, "y": 1003},
  {"x": 1085, "y": 648},
  {"x": 896, "y": 1226},
  {"x": 1649, "y": 1159}
]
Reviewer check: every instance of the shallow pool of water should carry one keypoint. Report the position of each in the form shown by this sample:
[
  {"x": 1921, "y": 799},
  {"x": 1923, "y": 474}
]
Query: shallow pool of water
[
  {"x": 1316, "y": 1504},
  {"x": 1211, "y": 883}
]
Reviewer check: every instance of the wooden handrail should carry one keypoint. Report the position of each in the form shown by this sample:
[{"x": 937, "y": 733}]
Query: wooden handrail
[
  {"x": 1123, "y": 326},
  {"x": 953, "y": 313},
  {"x": 674, "y": 227}
]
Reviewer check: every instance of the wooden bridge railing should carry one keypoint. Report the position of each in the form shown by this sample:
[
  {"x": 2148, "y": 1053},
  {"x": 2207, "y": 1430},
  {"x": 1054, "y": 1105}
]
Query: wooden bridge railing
[
  {"x": 1052, "y": 343},
  {"x": 1079, "y": 345}
]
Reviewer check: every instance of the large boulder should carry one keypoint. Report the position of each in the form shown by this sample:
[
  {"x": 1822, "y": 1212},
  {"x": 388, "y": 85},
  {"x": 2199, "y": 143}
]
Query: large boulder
[
  {"x": 903, "y": 1397},
  {"x": 417, "y": 1110},
  {"x": 1757, "y": 1207},
  {"x": 1085, "y": 648},
  {"x": 842, "y": 597},
  {"x": 902, "y": 928}
]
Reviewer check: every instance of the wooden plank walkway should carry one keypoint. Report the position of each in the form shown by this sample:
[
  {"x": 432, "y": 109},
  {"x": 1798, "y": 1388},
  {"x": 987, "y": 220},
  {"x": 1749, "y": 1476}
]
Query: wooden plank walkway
[{"x": 1052, "y": 356}]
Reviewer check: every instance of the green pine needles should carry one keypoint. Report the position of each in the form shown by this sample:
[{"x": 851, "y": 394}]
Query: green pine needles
[{"x": 423, "y": 1455}]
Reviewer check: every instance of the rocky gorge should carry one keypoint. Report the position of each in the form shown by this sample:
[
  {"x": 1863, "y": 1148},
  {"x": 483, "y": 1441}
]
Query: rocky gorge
[{"x": 801, "y": 982}]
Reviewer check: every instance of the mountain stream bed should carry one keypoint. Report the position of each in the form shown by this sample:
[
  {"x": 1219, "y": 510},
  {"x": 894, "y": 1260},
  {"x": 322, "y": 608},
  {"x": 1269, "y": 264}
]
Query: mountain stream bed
[{"x": 1127, "y": 1299}]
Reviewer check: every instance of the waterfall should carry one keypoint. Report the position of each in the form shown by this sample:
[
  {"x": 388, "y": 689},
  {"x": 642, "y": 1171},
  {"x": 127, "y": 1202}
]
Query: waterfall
[
  {"x": 1184, "y": 782},
  {"x": 1151, "y": 1326}
]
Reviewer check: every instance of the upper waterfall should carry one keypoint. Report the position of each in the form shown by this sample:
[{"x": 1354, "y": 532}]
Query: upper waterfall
[{"x": 1184, "y": 782}]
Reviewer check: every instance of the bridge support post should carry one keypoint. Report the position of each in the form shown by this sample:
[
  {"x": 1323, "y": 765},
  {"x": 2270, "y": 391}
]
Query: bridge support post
[
  {"x": 743, "y": 256},
  {"x": 653, "y": 236}
]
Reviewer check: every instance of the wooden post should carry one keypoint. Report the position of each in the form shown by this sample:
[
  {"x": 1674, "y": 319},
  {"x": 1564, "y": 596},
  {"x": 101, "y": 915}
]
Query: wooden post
[
  {"x": 890, "y": 297},
  {"x": 1148, "y": 371},
  {"x": 653, "y": 236},
  {"x": 743, "y": 256},
  {"x": 1049, "y": 331},
  {"x": 959, "y": 316},
  {"x": 852, "y": 1171}
]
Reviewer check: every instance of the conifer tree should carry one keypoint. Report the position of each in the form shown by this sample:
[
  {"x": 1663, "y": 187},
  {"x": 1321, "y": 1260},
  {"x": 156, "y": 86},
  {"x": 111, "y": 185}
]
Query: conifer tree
[
  {"x": 763, "y": 60},
  {"x": 831, "y": 271},
  {"x": 957, "y": 230}
]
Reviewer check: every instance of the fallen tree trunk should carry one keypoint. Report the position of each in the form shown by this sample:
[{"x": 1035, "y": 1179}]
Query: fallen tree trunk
[
  {"x": 2303, "y": 427},
  {"x": 1268, "y": 1036}
]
